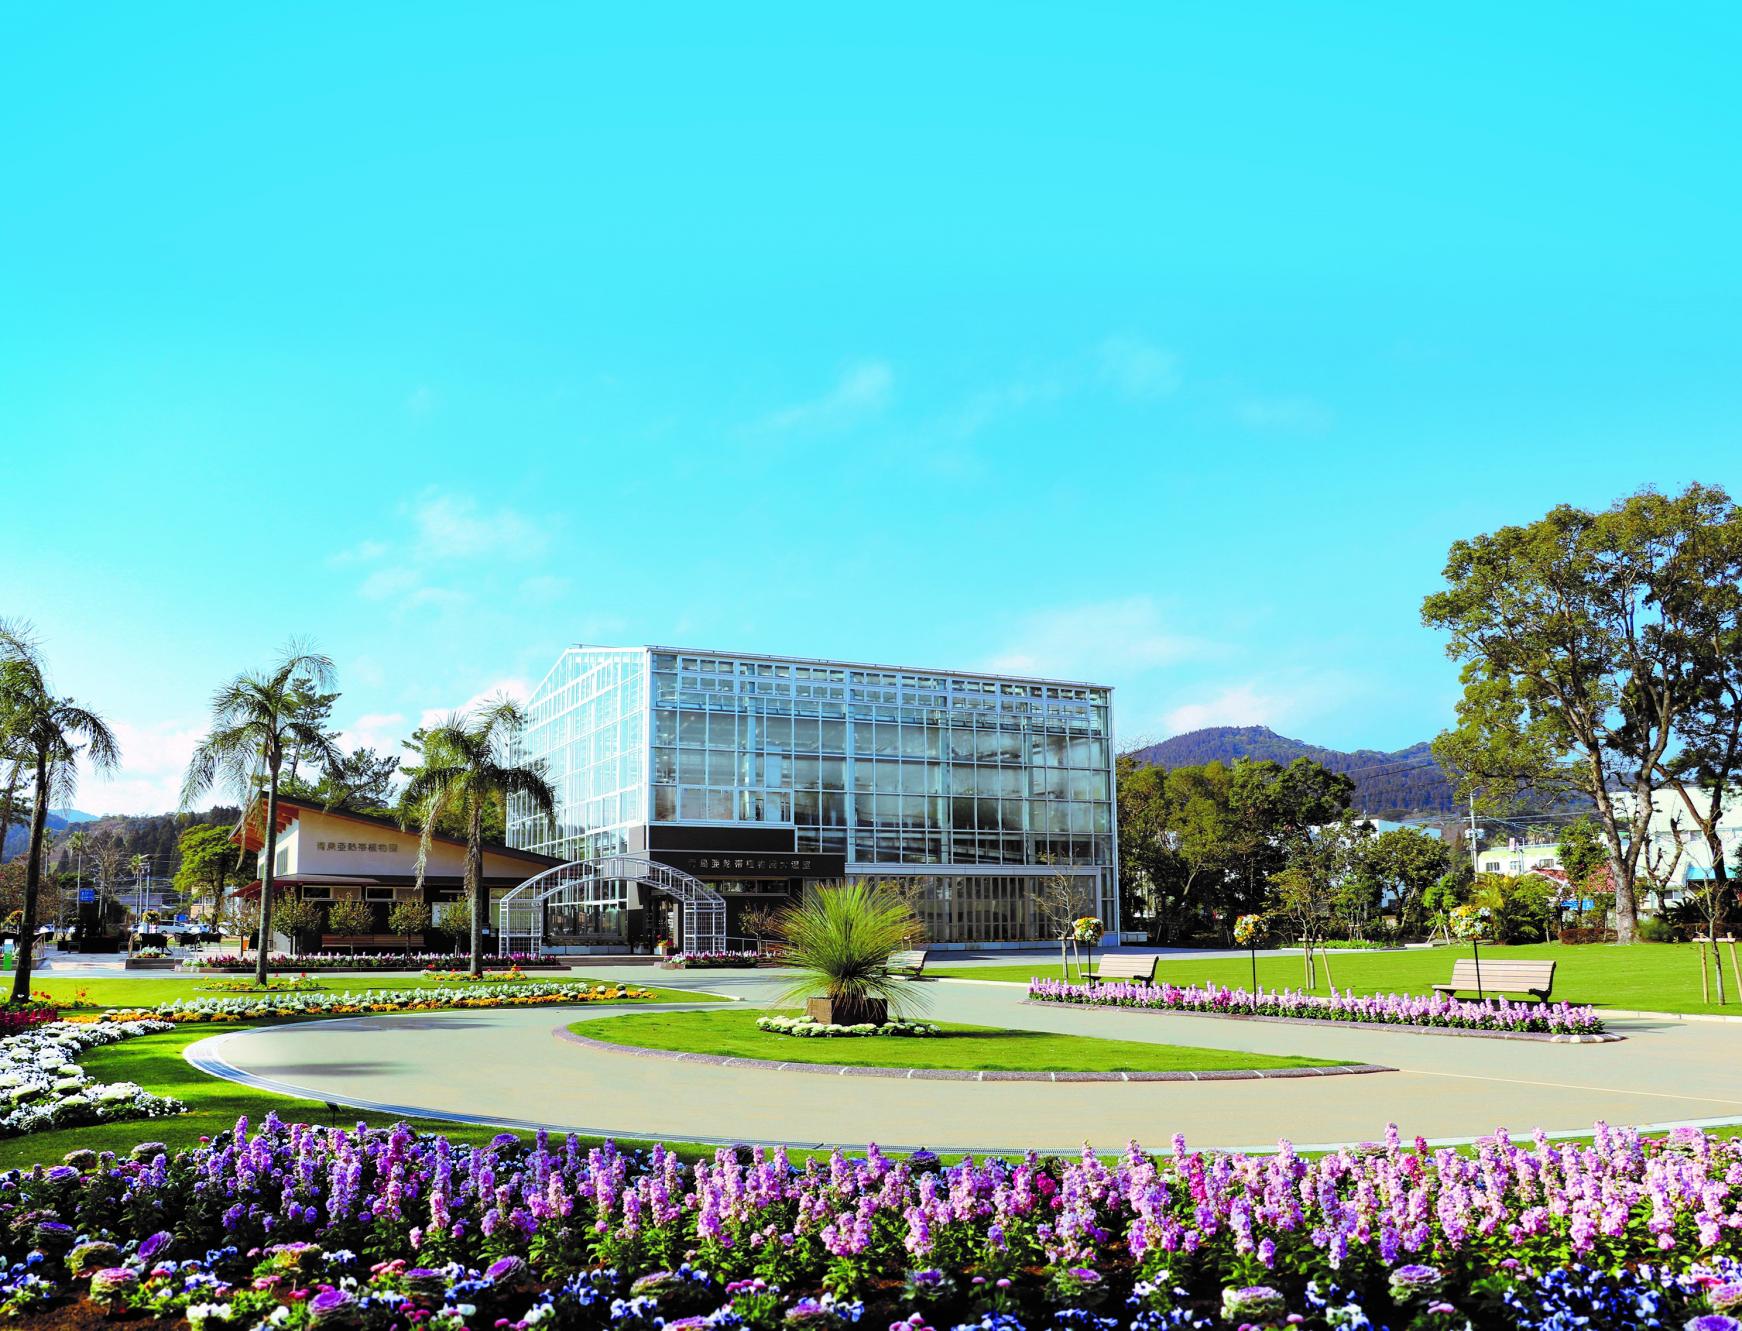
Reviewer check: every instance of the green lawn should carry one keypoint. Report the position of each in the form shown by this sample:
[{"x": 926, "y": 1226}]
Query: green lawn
[
  {"x": 983, "y": 1048},
  {"x": 1659, "y": 977},
  {"x": 127, "y": 991}
]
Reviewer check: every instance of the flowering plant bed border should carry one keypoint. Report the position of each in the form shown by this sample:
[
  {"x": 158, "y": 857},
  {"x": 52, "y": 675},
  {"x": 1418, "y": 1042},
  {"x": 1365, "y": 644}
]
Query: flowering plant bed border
[
  {"x": 1541, "y": 1037},
  {"x": 311, "y": 1229},
  {"x": 962, "y": 1074},
  {"x": 1560, "y": 1023}
]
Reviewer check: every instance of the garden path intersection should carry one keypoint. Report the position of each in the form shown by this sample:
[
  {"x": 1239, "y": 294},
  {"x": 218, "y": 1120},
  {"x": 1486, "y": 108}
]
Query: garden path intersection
[{"x": 509, "y": 1067}]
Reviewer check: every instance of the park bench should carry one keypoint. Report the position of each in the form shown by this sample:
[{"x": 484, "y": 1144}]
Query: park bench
[
  {"x": 1123, "y": 966},
  {"x": 908, "y": 963},
  {"x": 373, "y": 942},
  {"x": 1535, "y": 978}
]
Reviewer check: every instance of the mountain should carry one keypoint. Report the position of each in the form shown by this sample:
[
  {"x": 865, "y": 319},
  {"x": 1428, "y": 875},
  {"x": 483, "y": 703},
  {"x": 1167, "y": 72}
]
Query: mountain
[
  {"x": 58, "y": 820},
  {"x": 1405, "y": 781}
]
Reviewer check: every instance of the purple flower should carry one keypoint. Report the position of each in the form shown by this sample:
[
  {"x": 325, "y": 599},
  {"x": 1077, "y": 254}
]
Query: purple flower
[
  {"x": 1725, "y": 1298},
  {"x": 1713, "y": 1322},
  {"x": 332, "y": 1307},
  {"x": 155, "y": 1244}
]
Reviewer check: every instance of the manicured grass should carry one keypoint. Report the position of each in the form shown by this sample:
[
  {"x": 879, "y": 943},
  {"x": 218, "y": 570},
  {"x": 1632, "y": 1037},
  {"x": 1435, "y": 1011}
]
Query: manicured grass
[
  {"x": 1657, "y": 977},
  {"x": 968, "y": 1048},
  {"x": 119, "y": 991},
  {"x": 156, "y": 1063}
]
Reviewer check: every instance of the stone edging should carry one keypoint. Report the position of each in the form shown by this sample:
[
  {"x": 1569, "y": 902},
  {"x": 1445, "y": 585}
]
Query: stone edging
[
  {"x": 952, "y": 1074},
  {"x": 1541, "y": 1037}
]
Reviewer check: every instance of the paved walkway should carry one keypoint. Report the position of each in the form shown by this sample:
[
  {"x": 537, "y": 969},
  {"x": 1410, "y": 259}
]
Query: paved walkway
[{"x": 508, "y": 1067}]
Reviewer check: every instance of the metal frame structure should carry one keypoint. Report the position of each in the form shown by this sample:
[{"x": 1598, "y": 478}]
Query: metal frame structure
[{"x": 605, "y": 882}]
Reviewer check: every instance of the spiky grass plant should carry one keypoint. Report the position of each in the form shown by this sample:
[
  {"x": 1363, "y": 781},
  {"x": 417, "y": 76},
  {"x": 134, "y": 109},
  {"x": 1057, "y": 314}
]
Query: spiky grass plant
[{"x": 839, "y": 939}]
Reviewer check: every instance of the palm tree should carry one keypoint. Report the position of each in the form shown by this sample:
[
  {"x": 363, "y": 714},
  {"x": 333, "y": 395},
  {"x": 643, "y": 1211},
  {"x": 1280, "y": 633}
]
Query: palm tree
[
  {"x": 53, "y": 733},
  {"x": 466, "y": 764},
  {"x": 256, "y": 718},
  {"x": 139, "y": 862}
]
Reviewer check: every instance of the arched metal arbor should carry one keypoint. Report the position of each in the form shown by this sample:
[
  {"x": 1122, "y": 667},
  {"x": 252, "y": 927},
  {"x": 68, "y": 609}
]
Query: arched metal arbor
[{"x": 604, "y": 883}]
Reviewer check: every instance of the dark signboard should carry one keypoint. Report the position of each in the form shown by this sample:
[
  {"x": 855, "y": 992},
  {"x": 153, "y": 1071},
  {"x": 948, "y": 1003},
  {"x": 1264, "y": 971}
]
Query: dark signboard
[{"x": 706, "y": 864}]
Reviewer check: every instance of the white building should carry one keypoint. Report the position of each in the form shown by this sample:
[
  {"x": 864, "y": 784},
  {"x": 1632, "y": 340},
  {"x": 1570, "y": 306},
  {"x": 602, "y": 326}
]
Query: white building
[{"x": 1676, "y": 852}]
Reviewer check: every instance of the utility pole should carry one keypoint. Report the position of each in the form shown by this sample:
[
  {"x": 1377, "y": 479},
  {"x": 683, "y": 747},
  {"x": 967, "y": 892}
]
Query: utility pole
[{"x": 1473, "y": 856}]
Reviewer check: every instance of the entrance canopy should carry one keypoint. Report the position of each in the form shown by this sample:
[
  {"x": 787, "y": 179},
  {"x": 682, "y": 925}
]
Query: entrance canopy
[{"x": 606, "y": 884}]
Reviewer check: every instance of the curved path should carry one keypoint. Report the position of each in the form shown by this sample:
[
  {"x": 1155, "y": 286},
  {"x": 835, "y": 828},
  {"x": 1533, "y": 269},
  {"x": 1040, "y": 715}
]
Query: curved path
[{"x": 508, "y": 1067}]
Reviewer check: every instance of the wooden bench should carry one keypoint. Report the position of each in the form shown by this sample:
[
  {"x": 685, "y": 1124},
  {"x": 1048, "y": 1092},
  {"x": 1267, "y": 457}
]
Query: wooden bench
[
  {"x": 910, "y": 963},
  {"x": 1127, "y": 966},
  {"x": 374, "y": 942},
  {"x": 1535, "y": 978}
]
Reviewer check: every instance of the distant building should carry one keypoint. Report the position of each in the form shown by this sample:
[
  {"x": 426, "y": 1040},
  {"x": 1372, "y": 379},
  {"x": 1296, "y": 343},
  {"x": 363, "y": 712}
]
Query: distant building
[
  {"x": 1676, "y": 852},
  {"x": 1519, "y": 857}
]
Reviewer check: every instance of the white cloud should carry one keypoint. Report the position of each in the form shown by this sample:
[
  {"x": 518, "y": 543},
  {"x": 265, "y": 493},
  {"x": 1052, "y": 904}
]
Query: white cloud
[
  {"x": 364, "y": 552},
  {"x": 1280, "y": 701},
  {"x": 422, "y": 400},
  {"x": 1283, "y": 413},
  {"x": 1102, "y": 642},
  {"x": 1137, "y": 368},
  {"x": 375, "y": 730},
  {"x": 993, "y": 404},
  {"x": 862, "y": 390},
  {"x": 453, "y": 527},
  {"x": 386, "y": 583},
  {"x": 512, "y": 686},
  {"x": 154, "y": 759}
]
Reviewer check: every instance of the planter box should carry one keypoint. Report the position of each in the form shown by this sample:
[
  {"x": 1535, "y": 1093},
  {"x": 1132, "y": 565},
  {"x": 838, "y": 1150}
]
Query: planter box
[
  {"x": 831, "y": 1012},
  {"x": 151, "y": 964}
]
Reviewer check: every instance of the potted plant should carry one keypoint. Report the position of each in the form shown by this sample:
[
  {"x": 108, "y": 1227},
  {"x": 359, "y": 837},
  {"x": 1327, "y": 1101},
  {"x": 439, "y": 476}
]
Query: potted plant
[{"x": 839, "y": 939}]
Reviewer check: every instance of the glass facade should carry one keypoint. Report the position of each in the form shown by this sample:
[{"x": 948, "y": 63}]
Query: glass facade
[{"x": 980, "y": 787}]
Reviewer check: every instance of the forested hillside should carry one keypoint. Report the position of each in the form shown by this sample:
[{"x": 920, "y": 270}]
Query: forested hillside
[
  {"x": 123, "y": 836},
  {"x": 1386, "y": 784}
]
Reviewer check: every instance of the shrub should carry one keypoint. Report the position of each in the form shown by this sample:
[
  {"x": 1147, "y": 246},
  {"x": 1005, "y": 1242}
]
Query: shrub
[
  {"x": 1656, "y": 929},
  {"x": 839, "y": 940}
]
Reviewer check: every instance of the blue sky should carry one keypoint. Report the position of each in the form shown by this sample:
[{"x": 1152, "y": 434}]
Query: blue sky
[{"x": 1165, "y": 345}]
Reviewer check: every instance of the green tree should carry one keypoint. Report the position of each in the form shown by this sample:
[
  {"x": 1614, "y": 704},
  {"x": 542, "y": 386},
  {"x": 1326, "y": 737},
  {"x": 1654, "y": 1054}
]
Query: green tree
[
  {"x": 1577, "y": 664},
  {"x": 56, "y": 734},
  {"x": 350, "y": 916},
  {"x": 256, "y": 718},
  {"x": 1306, "y": 890},
  {"x": 1581, "y": 850},
  {"x": 467, "y": 767},
  {"x": 210, "y": 862},
  {"x": 297, "y": 917},
  {"x": 1403, "y": 864},
  {"x": 1705, "y": 770},
  {"x": 406, "y": 918},
  {"x": 361, "y": 781}
]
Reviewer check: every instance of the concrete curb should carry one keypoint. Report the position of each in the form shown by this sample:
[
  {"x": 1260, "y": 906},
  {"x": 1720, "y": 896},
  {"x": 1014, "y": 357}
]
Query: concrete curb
[
  {"x": 952, "y": 1074},
  {"x": 1541, "y": 1037}
]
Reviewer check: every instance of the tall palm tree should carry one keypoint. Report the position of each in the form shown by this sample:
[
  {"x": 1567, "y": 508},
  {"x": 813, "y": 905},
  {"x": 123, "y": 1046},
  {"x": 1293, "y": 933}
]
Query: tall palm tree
[
  {"x": 256, "y": 718},
  {"x": 53, "y": 733},
  {"x": 139, "y": 862},
  {"x": 466, "y": 764}
]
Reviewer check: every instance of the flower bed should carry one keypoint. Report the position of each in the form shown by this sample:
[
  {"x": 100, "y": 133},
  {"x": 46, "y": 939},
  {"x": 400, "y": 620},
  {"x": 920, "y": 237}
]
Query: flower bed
[
  {"x": 17, "y": 1017},
  {"x": 1383, "y": 1009},
  {"x": 804, "y": 1026},
  {"x": 42, "y": 1086},
  {"x": 372, "y": 961},
  {"x": 698, "y": 961},
  {"x": 186, "y": 1011},
  {"x": 295, "y": 1226}
]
